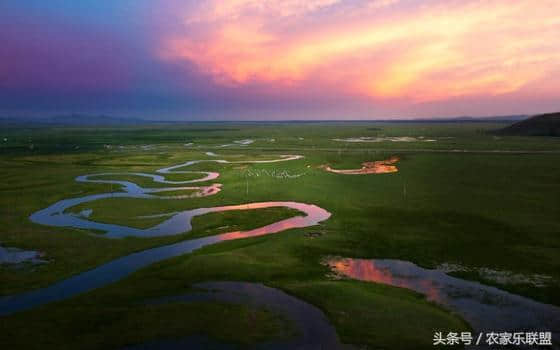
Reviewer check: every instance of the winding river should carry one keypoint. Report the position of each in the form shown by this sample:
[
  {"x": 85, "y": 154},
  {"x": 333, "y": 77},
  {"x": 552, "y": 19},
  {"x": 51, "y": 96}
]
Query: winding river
[
  {"x": 177, "y": 223},
  {"x": 484, "y": 307}
]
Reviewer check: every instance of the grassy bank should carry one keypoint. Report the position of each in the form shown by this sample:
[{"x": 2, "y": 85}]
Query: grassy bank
[{"x": 487, "y": 209}]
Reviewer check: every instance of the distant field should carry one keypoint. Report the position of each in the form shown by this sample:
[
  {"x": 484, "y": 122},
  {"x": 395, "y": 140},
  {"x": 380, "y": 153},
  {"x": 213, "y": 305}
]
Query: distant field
[
  {"x": 472, "y": 136},
  {"x": 469, "y": 197}
]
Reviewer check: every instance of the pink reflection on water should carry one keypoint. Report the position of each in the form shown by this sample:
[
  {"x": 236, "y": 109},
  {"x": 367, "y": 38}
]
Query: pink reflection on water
[
  {"x": 486, "y": 308},
  {"x": 395, "y": 274},
  {"x": 313, "y": 215}
]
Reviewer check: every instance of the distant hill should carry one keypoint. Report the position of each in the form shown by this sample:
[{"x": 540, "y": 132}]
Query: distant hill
[
  {"x": 539, "y": 125},
  {"x": 492, "y": 119}
]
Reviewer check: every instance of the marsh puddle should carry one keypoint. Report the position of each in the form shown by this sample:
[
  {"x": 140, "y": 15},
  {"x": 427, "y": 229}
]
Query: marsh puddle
[
  {"x": 14, "y": 256},
  {"x": 486, "y": 308},
  {"x": 386, "y": 139},
  {"x": 378, "y": 167},
  {"x": 314, "y": 330},
  {"x": 244, "y": 142}
]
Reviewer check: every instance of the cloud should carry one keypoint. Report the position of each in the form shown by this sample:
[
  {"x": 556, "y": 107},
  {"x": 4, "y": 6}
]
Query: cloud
[
  {"x": 215, "y": 10},
  {"x": 376, "y": 4},
  {"x": 383, "y": 49},
  {"x": 285, "y": 59}
]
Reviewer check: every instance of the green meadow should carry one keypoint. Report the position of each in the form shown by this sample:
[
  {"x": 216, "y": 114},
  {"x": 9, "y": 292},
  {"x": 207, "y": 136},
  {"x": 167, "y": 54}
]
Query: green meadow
[{"x": 469, "y": 198}]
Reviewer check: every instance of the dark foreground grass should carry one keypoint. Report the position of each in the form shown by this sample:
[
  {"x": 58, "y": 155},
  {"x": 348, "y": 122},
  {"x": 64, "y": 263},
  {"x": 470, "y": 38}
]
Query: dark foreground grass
[
  {"x": 494, "y": 210},
  {"x": 112, "y": 326}
]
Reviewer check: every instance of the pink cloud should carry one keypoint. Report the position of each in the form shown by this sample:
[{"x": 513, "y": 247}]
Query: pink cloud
[{"x": 382, "y": 50}]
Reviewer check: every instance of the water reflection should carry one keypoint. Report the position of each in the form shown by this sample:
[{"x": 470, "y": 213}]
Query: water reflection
[
  {"x": 377, "y": 167},
  {"x": 485, "y": 308}
]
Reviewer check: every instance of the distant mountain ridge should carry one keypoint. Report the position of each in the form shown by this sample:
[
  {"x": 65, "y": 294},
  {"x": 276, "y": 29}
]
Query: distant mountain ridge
[
  {"x": 104, "y": 120},
  {"x": 76, "y": 120},
  {"x": 539, "y": 125}
]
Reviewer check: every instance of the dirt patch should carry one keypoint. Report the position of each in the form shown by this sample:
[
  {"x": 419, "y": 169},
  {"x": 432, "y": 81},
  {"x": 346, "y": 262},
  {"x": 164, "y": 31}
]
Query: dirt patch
[{"x": 377, "y": 167}]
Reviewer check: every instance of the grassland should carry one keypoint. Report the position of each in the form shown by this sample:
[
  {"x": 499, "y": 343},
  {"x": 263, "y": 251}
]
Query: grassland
[{"x": 470, "y": 198}]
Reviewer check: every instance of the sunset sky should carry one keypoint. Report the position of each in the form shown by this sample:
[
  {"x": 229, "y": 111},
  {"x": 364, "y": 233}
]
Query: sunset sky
[{"x": 292, "y": 59}]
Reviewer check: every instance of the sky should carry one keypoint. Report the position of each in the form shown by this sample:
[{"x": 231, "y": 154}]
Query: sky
[{"x": 291, "y": 59}]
